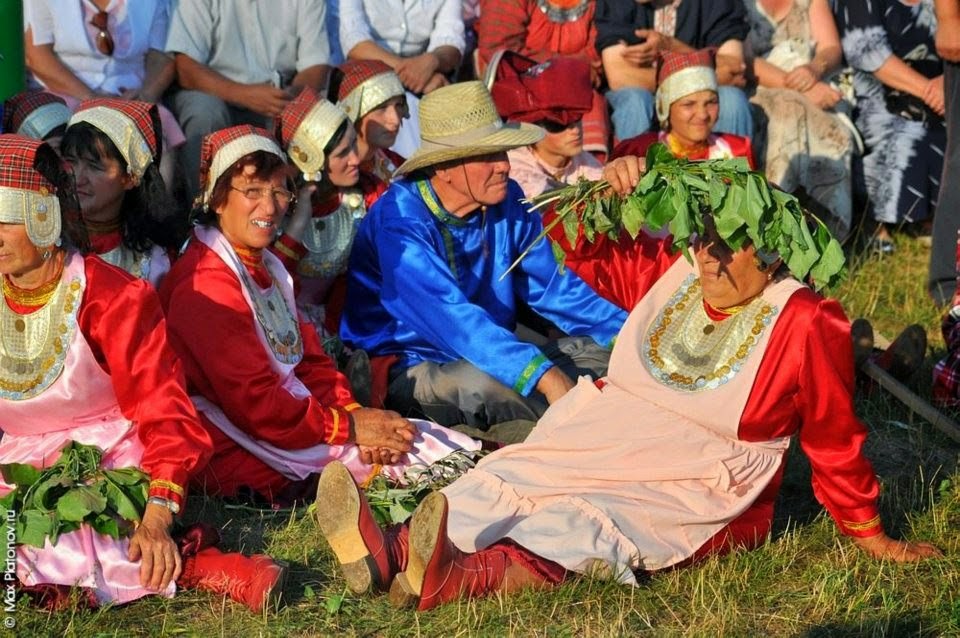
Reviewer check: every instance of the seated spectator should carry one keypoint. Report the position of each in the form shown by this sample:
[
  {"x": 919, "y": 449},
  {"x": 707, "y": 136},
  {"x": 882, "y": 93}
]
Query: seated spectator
[
  {"x": 38, "y": 115},
  {"x": 372, "y": 96},
  {"x": 81, "y": 50},
  {"x": 272, "y": 401},
  {"x": 898, "y": 82},
  {"x": 112, "y": 146},
  {"x": 241, "y": 63},
  {"x": 554, "y": 95},
  {"x": 687, "y": 108},
  {"x": 631, "y": 34},
  {"x": 429, "y": 279},
  {"x": 332, "y": 199},
  {"x": 85, "y": 359},
  {"x": 678, "y": 454},
  {"x": 422, "y": 41},
  {"x": 793, "y": 49},
  {"x": 544, "y": 29}
]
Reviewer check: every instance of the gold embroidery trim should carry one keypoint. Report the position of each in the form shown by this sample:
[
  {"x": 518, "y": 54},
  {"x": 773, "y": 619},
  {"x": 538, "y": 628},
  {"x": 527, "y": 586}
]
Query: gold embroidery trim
[
  {"x": 170, "y": 485},
  {"x": 336, "y": 426},
  {"x": 859, "y": 527}
]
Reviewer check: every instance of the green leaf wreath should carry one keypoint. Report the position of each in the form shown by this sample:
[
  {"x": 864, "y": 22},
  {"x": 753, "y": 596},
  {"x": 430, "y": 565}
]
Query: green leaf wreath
[
  {"x": 677, "y": 193},
  {"x": 73, "y": 491}
]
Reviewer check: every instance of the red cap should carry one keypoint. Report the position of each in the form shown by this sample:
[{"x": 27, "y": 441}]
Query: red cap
[{"x": 558, "y": 90}]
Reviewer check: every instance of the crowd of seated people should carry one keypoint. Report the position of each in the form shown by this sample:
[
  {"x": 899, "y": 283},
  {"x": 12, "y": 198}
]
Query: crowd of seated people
[{"x": 372, "y": 215}]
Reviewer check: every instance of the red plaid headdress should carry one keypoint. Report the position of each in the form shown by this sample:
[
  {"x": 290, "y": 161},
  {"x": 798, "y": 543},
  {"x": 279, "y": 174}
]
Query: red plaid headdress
[
  {"x": 221, "y": 149},
  {"x": 131, "y": 125},
  {"x": 34, "y": 114},
  {"x": 558, "y": 90},
  {"x": 359, "y": 86},
  {"x": 304, "y": 129},
  {"x": 26, "y": 196},
  {"x": 680, "y": 74}
]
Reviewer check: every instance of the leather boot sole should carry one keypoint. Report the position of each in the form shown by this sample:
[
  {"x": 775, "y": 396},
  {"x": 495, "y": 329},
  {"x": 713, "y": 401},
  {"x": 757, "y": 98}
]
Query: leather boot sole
[
  {"x": 337, "y": 513},
  {"x": 425, "y": 539}
]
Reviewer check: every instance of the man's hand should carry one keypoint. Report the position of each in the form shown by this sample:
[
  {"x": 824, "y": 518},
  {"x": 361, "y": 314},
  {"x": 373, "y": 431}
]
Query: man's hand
[
  {"x": 152, "y": 545},
  {"x": 731, "y": 71},
  {"x": 373, "y": 428},
  {"x": 417, "y": 72},
  {"x": 933, "y": 95},
  {"x": 379, "y": 455},
  {"x": 554, "y": 384},
  {"x": 823, "y": 95},
  {"x": 623, "y": 174},
  {"x": 438, "y": 80},
  {"x": 644, "y": 53},
  {"x": 801, "y": 79},
  {"x": 948, "y": 39},
  {"x": 265, "y": 99}
]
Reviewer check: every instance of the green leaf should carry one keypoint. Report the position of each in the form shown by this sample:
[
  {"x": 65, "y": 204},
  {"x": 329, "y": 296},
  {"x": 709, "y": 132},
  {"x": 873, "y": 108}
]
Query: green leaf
[
  {"x": 308, "y": 592},
  {"x": 126, "y": 476},
  {"x": 559, "y": 254},
  {"x": 105, "y": 525},
  {"x": 631, "y": 215},
  {"x": 659, "y": 154},
  {"x": 399, "y": 513},
  {"x": 47, "y": 491},
  {"x": 20, "y": 474},
  {"x": 571, "y": 228},
  {"x": 33, "y": 527},
  {"x": 334, "y": 603},
  {"x": 79, "y": 502},
  {"x": 120, "y": 502}
]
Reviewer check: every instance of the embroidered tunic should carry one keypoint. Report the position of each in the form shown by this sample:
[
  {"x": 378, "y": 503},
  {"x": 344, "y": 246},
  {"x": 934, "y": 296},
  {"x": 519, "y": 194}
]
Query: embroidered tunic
[
  {"x": 428, "y": 286},
  {"x": 151, "y": 265},
  {"x": 113, "y": 383},
  {"x": 641, "y": 475},
  {"x": 275, "y": 405}
]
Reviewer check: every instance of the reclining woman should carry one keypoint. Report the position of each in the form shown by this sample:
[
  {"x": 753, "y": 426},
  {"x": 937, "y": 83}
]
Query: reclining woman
[
  {"x": 84, "y": 358},
  {"x": 750, "y": 354},
  {"x": 113, "y": 147},
  {"x": 272, "y": 401}
]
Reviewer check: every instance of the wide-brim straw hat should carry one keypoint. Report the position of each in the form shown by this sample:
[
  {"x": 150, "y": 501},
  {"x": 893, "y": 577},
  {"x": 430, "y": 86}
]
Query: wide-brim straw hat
[{"x": 459, "y": 121}]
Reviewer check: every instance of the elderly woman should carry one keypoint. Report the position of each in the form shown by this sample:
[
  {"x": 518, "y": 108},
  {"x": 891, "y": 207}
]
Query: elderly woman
[
  {"x": 372, "y": 96},
  {"x": 554, "y": 95},
  {"x": 272, "y": 401},
  {"x": 113, "y": 148},
  {"x": 84, "y": 360},
  {"x": 333, "y": 197},
  {"x": 614, "y": 476},
  {"x": 688, "y": 106},
  {"x": 37, "y": 114}
]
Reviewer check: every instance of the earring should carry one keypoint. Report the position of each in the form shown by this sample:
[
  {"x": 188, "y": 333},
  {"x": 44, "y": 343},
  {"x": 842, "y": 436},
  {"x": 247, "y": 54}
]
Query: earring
[
  {"x": 45, "y": 255},
  {"x": 759, "y": 263}
]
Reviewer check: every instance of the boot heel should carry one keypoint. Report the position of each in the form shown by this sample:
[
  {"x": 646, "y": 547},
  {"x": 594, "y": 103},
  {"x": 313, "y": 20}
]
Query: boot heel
[
  {"x": 359, "y": 574},
  {"x": 402, "y": 594}
]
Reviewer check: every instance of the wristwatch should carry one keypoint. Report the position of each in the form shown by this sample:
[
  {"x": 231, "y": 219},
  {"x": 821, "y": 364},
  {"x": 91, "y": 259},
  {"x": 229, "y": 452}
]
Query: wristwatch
[{"x": 164, "y": 502}]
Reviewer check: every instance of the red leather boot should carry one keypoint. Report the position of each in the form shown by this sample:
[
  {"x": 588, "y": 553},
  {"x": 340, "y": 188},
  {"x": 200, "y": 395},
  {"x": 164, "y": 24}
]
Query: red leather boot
[
  {"x": 256, "y": 581},
  {"x": 368, "y": 556},
  {"x": 437, "y": 572}
]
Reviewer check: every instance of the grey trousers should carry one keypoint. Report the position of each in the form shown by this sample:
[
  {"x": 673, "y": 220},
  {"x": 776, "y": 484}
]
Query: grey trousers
[
  {"x": 199, "y": 114},
  {"x": 942, "y": 280},
  {"x": 459, "y": 393}
]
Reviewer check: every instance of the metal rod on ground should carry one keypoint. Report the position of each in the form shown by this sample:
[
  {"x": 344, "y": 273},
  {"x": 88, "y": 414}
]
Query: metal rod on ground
[{"x": 912, "y": 400}]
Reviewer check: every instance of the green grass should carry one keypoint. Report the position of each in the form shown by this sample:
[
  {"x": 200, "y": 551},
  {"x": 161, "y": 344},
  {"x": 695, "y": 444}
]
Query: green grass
[{"x": 806, "y": 581}]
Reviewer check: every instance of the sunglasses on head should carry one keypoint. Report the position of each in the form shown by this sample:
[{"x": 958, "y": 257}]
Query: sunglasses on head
[
  {"x": 554, "y": 127},
  {"x": 104, "y": 39}
]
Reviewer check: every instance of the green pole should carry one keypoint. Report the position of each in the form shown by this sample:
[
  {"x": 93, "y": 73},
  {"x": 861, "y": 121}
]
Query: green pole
[{"x": 11, "y": 48}]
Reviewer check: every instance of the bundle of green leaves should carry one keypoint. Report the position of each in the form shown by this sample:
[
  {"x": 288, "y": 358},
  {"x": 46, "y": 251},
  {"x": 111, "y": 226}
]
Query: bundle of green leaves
[
  {"x": 73, "y": 491},
  {"x": 678, "y": 193}
]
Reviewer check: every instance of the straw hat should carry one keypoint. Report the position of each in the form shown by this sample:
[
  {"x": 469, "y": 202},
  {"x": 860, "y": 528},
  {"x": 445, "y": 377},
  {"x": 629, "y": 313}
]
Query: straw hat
[
  {"x": 35, "y": 114},
  {"x": 305, "y": 127},
  {"x": 131, "y": 125},
  {"x": 459, "y": 121},
  {"x": 26, "y": 196},
  {"x": 680, "y": 74}
]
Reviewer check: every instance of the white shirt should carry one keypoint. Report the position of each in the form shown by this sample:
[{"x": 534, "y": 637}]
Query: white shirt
[
  {"x": 251, "y": 41},
  {"x": 136, "y": 27},
  {"x": 405, "y": 27}
]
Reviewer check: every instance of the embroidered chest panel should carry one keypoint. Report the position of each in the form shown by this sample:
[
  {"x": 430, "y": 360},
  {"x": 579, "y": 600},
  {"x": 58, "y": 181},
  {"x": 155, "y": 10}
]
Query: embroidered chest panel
[
  {"x": 328, "y": 239},
  {"x": 137, "y": 264}
]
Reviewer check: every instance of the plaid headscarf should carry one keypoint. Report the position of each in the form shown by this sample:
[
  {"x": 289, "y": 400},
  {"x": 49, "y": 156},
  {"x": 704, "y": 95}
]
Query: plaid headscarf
[
  {"x": 26, "y": 196},
  {"x": 304, "y": 129},
  {"x": 359, "y": 86},
  {"x": 221, "y": 149},
  {"x": 34, "y": 114},
  {"x": 131, "y": 125}
]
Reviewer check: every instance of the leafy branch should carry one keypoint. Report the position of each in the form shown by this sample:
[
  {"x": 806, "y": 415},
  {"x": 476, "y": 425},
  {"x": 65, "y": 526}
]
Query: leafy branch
[
  {"x": 72, "y": 492},
  {"x": 677, "y": 193}
]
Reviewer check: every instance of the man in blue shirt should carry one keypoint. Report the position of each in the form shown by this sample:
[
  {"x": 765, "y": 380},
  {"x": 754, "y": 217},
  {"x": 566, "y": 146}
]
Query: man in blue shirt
[{"x": 429, "y": 281}]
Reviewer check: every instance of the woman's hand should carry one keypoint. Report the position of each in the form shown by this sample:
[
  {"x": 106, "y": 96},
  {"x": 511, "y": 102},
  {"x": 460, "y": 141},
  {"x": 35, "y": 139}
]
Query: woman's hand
[
  {"x": 933, "y": 95},
  {"x": 375, "y": 455},
  {"x": 801, "y": 79},
  {"x": 883, "y": 547},
  {"x": 823, "y": 95},
  {"x": 623, "y": 174},
  {"x": 373, "y": 428},
  {"x": 152, "y": 545}
]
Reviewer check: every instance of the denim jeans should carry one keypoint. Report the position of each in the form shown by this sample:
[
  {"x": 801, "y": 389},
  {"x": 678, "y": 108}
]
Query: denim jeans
[{"x": 633, "y": 112}]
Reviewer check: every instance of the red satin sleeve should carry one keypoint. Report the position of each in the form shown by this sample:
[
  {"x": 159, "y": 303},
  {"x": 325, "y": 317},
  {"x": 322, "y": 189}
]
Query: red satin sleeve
[
  {"x": 121, "y": 319},
  {"x": 212, "y": 329},
  {"x": 805, "y": 383}
]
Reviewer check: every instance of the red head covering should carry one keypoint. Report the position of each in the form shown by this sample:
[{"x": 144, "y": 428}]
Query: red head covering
[
  {"x": 132, "y": 126},
  {"x": 557, "y": 90},
  {"x": 304, "y": 129},
  {"x": 221, "y": 149},
  {"x": 26, "y": 196},
  {"x": 680, "y": 74},
  {"x": 34, "y": 114}
]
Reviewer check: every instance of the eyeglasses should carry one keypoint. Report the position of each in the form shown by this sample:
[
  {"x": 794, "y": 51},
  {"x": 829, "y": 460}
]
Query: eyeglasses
[
  {"x": 256, "y": 193},
  {"x": 104, "y": 39},
  {"x": 553, "y": 127}
]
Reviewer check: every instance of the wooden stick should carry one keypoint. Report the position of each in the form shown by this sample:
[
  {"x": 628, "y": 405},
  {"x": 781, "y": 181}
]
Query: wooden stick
[{"x": 911, "y": 399}]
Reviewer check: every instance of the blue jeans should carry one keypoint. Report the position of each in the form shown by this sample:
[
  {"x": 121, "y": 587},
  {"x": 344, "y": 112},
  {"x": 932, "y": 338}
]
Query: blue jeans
[{"x": 633, "y": 112}]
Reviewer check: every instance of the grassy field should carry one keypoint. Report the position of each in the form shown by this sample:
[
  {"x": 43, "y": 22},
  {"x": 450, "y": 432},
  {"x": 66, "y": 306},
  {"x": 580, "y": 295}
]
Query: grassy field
[{"x": 806, "y": 581}]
